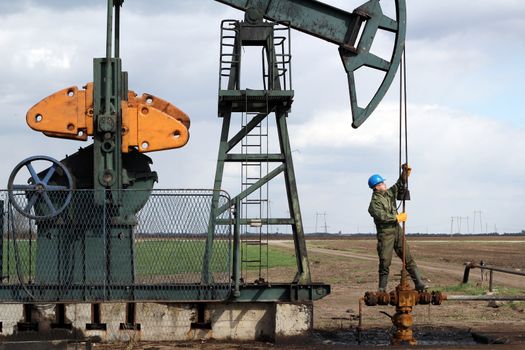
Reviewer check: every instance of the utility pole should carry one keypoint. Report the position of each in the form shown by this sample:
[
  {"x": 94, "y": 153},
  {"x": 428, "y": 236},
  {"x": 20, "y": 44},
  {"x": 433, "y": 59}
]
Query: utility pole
[
  {"x": 477, "y": 212},
  {"x": 459, "y": 224},
  {"x": 325, "y": 227},
  {"x": 464, "y": 218}
]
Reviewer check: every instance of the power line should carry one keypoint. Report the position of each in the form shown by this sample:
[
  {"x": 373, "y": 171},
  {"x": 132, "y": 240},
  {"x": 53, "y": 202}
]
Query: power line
[
  {"x": 324, "y": 226},
  {"x": 476, "y": 213},
  {"x": 459, "y": 220}
]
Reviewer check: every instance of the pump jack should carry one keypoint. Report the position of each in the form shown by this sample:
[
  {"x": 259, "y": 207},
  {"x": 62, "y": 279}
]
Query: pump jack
[{"x": 124, "y": 126}]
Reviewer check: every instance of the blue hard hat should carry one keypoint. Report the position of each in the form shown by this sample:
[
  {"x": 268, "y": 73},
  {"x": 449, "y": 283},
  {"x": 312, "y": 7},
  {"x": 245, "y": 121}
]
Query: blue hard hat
[{"x": 374, "y": 180}]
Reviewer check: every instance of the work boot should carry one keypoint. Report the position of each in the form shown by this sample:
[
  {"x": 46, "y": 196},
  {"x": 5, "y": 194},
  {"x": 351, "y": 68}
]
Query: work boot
[
  {"x": 418, "y": 282},
  {"x": 383, "y": 281}
]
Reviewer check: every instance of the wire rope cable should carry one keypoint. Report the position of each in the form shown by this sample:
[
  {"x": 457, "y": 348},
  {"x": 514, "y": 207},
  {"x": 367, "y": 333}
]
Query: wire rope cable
[{"x": 403, "y": 133}]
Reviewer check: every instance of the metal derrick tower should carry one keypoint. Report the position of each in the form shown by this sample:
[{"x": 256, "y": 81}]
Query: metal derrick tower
[{"x": 254, "y": 107}]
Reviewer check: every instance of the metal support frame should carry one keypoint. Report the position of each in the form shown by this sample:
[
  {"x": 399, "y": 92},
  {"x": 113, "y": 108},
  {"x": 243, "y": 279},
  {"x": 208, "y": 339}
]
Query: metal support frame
[
  {"x": 275, "y": 99},
  {"x": 109, "y": 90},
  {"x": 491, "y": 269}
]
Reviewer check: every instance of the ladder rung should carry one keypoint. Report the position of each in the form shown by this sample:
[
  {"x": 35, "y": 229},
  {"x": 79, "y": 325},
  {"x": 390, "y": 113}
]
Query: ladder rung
[{"x": 252, "y": 143}]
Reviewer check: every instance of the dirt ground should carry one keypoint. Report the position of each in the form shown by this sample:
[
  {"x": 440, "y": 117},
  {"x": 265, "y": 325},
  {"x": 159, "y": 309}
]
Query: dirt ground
[{"x": 350, "y": 267}]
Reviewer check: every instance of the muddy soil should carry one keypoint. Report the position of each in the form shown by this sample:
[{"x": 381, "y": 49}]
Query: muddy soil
[{"x": 350, "y": 266}]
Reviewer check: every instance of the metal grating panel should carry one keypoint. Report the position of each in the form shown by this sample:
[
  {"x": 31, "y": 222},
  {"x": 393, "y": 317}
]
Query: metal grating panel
[{"x": 139, "y": 245}]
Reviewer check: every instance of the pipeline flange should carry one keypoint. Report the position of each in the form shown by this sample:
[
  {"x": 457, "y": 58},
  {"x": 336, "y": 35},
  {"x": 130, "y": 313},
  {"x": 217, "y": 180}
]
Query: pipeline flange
[
  {"x": 438, "y": 297},
  {"x": 425, "y": 298},
  {"x": 377, "y": 298},
  {"x": 370, "y": 299}
]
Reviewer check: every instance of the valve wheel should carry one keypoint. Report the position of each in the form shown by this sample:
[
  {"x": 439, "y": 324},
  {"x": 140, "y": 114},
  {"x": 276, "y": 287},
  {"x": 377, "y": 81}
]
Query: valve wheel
[{"x": 53, "y": 199}]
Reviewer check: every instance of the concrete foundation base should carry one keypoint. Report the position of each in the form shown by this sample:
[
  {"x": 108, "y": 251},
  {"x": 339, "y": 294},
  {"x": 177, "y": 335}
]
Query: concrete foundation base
[{"x": 110, "y": 322}]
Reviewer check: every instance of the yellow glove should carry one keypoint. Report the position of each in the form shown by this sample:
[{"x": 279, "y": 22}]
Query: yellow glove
[
  {"x": 401, "y": 217},
  {"x": 406, "y": 169}
]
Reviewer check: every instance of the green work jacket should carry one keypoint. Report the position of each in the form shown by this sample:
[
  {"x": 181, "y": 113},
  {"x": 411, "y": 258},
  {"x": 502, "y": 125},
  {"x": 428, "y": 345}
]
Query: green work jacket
[{"x": 383, "y": 207}]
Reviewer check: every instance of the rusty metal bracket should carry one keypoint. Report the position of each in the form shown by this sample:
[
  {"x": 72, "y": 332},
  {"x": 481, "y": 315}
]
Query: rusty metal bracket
[{"x": 470, "y": 265}]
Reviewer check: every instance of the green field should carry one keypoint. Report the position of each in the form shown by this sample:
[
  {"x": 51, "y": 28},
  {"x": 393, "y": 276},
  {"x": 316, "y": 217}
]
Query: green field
[{"x": 157, "y": 257}]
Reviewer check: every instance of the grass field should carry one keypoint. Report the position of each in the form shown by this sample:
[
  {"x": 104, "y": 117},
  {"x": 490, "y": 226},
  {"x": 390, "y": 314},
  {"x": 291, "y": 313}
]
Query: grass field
[{"x": 154, "y": 257}]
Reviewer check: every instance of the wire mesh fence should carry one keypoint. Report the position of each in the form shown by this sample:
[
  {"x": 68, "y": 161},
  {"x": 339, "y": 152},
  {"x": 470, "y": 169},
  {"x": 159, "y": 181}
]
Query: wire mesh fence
[{"x": 88, "y": 245}]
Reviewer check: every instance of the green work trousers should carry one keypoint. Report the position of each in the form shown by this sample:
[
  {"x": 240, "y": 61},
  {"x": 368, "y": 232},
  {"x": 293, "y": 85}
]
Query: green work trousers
[{"x": 390, "y": 239}]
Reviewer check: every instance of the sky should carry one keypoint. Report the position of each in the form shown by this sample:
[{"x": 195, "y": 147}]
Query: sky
[{"x": 464, "y": 86}]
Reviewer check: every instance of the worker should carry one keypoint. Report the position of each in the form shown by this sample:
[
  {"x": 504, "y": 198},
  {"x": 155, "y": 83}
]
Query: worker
[{"x": 389, "y": 233}]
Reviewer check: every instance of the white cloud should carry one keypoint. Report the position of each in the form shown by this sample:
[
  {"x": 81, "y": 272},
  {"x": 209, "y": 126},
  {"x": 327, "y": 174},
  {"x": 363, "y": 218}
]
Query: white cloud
[
  {"x": 333, "y": 129},
  {"x": 461, "y": 163},
  {"x": 462, "y": 91},
  {"x": 42, "y": 57}
]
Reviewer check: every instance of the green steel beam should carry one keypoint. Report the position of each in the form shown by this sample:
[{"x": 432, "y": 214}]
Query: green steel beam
[
  {"x": 275, "y": 157},
  {"x": 219, "y": 171},
  {"x": 308, "y": 16},
  {"x": 51, "y": 293},
  {"x": 246, "y": 130},
  {"x": 301, "y": 254},
  {"x": 237, "y": 249},
  {"x": 251, "y": 189},
  {"x": 263, "y": 221},
  {"x": 283, "y": 292},
  {"x": 263, "y": 95}
]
